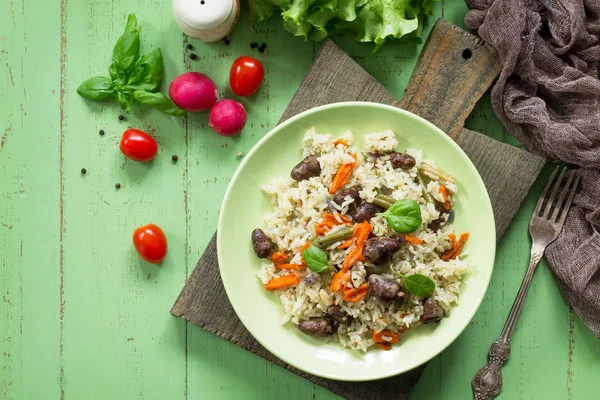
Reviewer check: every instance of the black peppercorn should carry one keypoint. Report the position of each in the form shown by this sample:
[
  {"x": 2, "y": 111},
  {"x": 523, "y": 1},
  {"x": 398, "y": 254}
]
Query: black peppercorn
[
  {"x": 121, "y": 117},
  {"x": 174, "y": 158},
  {"x": 83, "y": 170},
  {"x": 264, "y": 45},
  {"x": 261, "y": 49},
  {"x": 189, "y": 47},
  {"x": 101, "y": 132},
  {"x": 118, "y": 185},
  {"x": 227, "y": 42},
  {"x": 193, "y": 56},
  {"x": 253, "y": 45}
]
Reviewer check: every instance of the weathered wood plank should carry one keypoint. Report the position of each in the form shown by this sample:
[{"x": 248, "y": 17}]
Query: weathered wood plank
[
  {"x": 115, "y": 342},
  {"x": 29, "y": 207},
  {"x": 454, "y": 70}
]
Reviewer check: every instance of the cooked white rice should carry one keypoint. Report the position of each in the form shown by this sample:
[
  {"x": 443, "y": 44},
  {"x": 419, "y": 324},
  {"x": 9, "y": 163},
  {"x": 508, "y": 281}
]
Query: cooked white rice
[{"x": 298, "y": 206}]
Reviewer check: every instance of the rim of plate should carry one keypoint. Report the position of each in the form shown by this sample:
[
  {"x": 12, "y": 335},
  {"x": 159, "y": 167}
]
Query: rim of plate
[{"x": 463, "y": 324}]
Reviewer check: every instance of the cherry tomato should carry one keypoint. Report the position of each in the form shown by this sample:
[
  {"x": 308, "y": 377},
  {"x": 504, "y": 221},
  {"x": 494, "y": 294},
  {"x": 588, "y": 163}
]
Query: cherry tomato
[
  {"x": 138, "y": 145},
  {"x": 151, "y": 243},
  {"x": 246, "y": 75}
]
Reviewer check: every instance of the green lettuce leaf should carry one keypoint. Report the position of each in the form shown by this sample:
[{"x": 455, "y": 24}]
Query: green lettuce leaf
[
  {"x": 302, "y": 30},
  {"x": 261, "y": 10},
  {"x": 373, "y": 21}
]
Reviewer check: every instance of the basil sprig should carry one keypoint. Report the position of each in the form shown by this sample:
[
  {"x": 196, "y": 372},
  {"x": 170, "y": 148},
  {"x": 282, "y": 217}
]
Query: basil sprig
[
  {"x": 419, "y": 285},
  {"x": 131, "y": 77},
  {"x": 404, "y": 216},
  {"x": 315, "y": 259}
]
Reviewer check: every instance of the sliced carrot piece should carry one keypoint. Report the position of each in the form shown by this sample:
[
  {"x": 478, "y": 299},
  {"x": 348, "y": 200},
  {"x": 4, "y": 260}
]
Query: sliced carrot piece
[
  {"x": 304, "y": 247},
  {"x": 342, "y": 176},
  {"x": 329, "y": 221},
  {"x": 279, "y": 257},
  {"x": 453, "y": 252},
  {"x": 295, "y": 267},
  {"x": 364, "y": 230},
  {"x": 282, "y": 282},
  {"x": 386, "y": 336},
  {"x": 444, "y": 193},
  {"x": 452, "y": 238},
  {"x": 361, "y": 233},
  {"x": 338, "y": 281},
  {"x": 460, "y": 245},
  {"x": 346, "y": 243},
  {"x": 384, "y": 345},
  {"x": 354, "y": 256},
  {"x": 412, "y": 239},
  {"x": 321, "y": 229},
  {"x": 356, "y": 295}
]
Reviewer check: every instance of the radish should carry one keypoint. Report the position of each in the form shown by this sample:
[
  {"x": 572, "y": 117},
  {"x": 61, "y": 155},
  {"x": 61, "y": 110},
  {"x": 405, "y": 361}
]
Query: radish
[
  {"x": 193, "y": 91},
  {"x": 227, "y": 117}
]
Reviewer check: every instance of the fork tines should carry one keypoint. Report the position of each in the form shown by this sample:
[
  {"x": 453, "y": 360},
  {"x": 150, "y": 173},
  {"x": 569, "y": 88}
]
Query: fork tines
[{"x": 553, "y": 207}]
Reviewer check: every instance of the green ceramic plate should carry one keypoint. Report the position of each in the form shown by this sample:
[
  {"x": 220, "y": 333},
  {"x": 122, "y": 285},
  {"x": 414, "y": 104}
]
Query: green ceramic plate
[{"x": 244, "y": 208}]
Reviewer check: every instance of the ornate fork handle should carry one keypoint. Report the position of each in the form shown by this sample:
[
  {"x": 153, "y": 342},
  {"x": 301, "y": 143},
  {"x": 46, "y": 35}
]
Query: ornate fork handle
[{"x": 487, "y": 382}]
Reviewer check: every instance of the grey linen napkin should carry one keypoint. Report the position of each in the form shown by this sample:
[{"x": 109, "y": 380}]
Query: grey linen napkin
[{"x": 548, "y": 96}]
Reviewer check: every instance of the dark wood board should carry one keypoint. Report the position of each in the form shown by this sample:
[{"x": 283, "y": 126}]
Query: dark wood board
[{"x": 444, "y": 89}]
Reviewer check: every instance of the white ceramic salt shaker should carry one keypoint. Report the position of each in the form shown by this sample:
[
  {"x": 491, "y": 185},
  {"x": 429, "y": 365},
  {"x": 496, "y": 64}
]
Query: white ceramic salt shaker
[{"x": 207, "y": 20}]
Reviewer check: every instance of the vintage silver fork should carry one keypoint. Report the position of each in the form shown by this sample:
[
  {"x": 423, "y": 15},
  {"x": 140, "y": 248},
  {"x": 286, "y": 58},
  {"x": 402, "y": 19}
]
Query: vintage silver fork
[{"x": 544, "y": 229}]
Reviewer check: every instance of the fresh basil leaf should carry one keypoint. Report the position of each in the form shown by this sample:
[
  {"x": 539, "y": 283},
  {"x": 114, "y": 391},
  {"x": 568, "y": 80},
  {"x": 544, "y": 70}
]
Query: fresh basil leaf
[
  {"x": 404, "y": 216},
  {"x": 147, "y": 73},
  {"x": 125, "y": 99},
  {"x": 158, "y": 101},
  {"x": 131, "y": 23},
  {"x": 117, "y": 75},
  {"x": 97, "y": 88},
  {"x": 127, "y": 49},
  {"x": 137, "y": 74},
  {"x": 419, "y": 285},
  {"x": 315, "y": 259}
]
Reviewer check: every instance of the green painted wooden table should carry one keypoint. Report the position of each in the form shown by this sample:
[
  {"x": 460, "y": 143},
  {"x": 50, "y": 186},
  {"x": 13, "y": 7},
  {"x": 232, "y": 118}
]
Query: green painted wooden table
[{"x": 82, "y": 317}]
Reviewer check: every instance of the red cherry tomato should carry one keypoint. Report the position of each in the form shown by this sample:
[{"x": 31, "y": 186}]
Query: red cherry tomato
[
  {"x": 151, "y": 243},
  {"x": 246, "y": 75},
  {"x": 138, "y": 145}
]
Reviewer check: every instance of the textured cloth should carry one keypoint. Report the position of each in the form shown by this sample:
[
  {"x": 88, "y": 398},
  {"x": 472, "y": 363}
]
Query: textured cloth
[{"x": 548, "y": 96}]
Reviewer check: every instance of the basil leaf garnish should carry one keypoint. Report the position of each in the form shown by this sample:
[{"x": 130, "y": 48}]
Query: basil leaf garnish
[
  {"x": 97, "y": 88},
  {"x": 147, "y": 73},
  {"x": 125, "y": 99},
  {"x": 127, "y": 49},
  {"x": 159, "y": 101},
  {"x": 404, "y": 216},
  {"x": 315, "y": 259},
  {"x": 419, "y": 285},
  {"x": 131, "y": 77},
  {"x": 131, "y": 25}
]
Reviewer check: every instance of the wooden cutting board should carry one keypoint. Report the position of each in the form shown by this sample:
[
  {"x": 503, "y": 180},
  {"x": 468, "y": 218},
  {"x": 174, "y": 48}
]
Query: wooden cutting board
[{"x": 454, "y": 70}]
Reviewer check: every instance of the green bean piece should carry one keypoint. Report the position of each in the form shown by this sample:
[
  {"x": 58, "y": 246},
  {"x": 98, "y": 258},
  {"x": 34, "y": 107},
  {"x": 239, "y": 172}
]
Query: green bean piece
[
  {"x": 386, "y": 198},
  {"x": 381, "y": 203},
  {"x": 426, "y": 194},
  {"x": 328, "y": 240}
]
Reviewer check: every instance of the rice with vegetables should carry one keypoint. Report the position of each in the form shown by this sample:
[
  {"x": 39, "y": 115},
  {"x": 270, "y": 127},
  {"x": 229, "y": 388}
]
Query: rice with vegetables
[{"x": 360, "y": 244}]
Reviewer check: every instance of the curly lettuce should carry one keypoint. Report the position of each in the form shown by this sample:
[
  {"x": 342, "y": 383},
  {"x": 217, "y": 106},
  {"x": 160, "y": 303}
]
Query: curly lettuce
[{"x": 370, "y": 20}]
